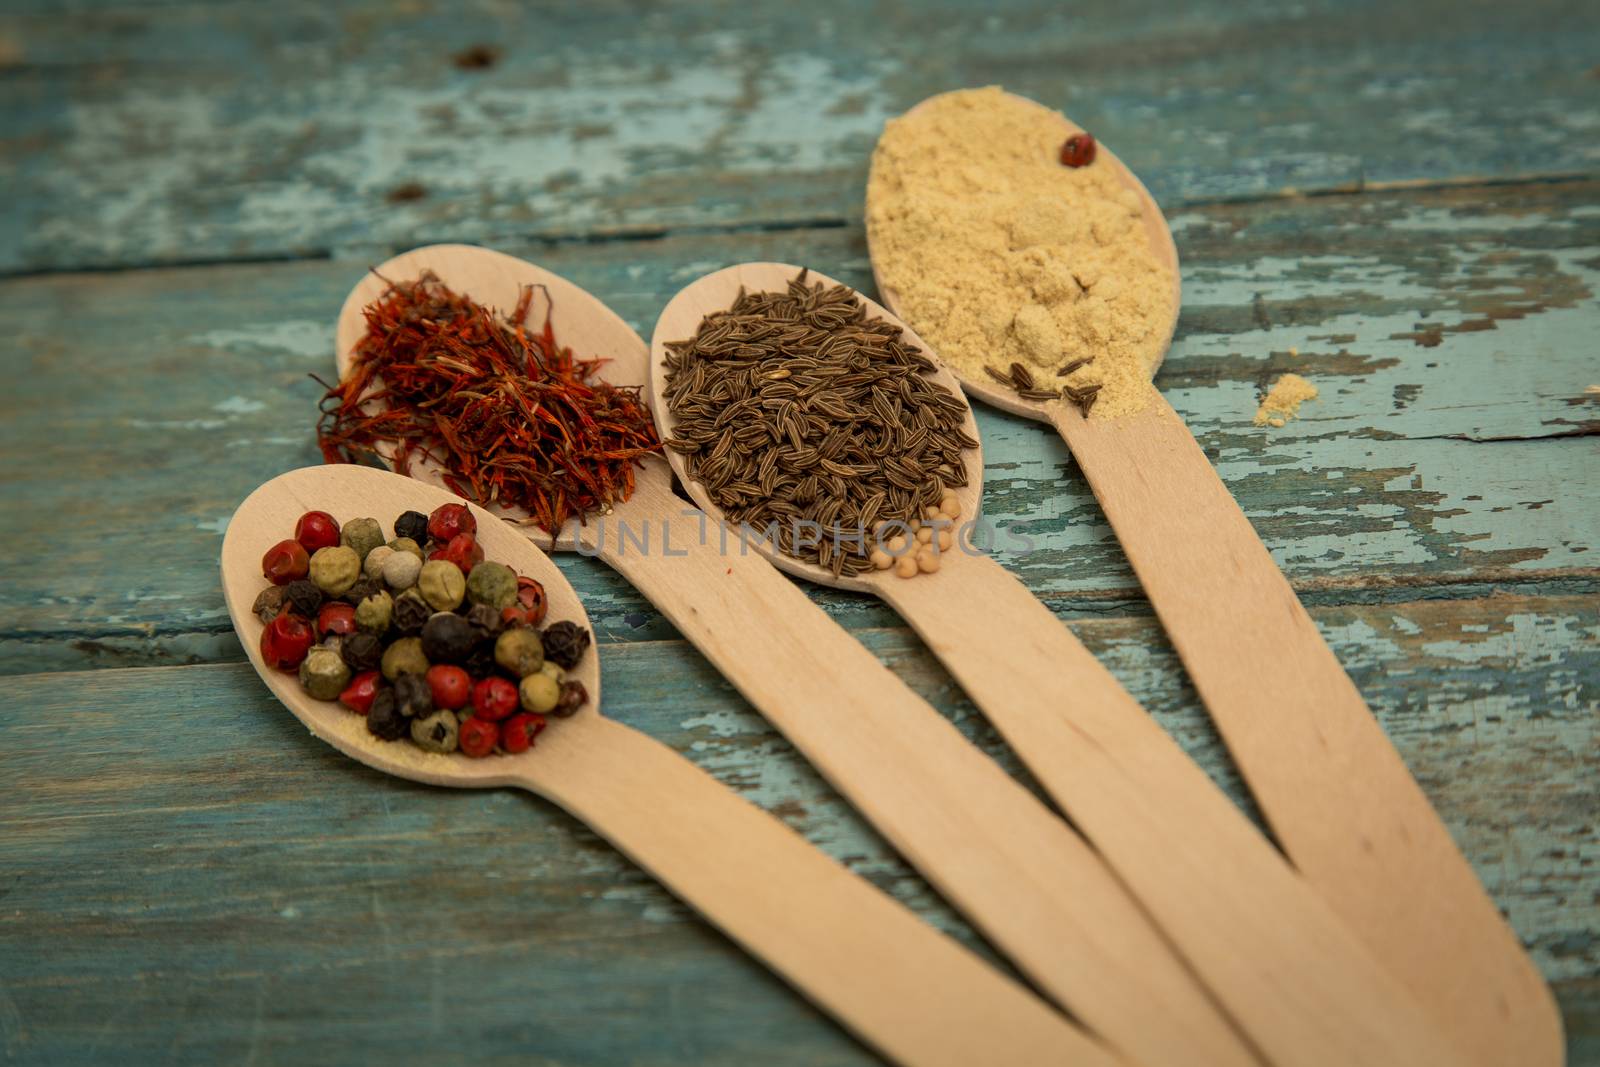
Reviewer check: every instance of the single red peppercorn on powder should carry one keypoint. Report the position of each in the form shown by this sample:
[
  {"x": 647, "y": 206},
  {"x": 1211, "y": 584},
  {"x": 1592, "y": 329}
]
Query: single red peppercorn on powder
[{"x": 1078, "y": 150}]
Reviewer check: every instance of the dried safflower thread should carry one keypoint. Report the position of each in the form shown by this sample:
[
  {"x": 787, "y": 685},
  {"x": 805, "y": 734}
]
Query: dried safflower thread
[
  {"x": 375, "y": 614},
  {"x": 361, "y": 691},
  {"x": 372, "y": 566},
  {"x": 285, "y": 562},
  {"x": 335, "y": 569},
  {"x": 539, "y": 693},
  {"x": 452, "y": 686},
  {"x": 323, "y": 674},
  {"x": 411, "y": 613},
  {"x": 565, "y": 642},
  {"x": 442, "y": 585},
  {"x": 285, "y": 641},
  {"x": 316, "y": 529},
  {"x": 493, "y": 584},
  {"x": 363, "y": 652},
  {"x": 447, "y": 638},
  {"x": 519, "y": 651},
  {"x": 573, "y": 697},
  {"x": 412, "y": 525},
  {"x": 412, "y": 695},
  {"x": 405, "y": 656},
  {"x": 437, "y": 732},
  {"x": 362, "y": 535},
  {"x": 384, "y": 720}
]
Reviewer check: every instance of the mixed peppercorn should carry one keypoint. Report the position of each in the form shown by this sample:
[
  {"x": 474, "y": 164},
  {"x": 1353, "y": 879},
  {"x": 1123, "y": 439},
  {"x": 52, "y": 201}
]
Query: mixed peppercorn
[{"x": 420, "y": 633}]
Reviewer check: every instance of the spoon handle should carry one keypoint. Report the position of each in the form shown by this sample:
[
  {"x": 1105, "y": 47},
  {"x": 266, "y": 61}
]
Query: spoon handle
[
  {"x": 1302, "y": 987},
  {"x": 1336, "y": 793},
  {"x": 1023, "y": 877},
  {"x": 907, "y": 990}
]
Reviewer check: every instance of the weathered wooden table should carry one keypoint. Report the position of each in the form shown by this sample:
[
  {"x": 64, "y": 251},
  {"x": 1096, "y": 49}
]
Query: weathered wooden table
[{"x": 1401, "y": 204}]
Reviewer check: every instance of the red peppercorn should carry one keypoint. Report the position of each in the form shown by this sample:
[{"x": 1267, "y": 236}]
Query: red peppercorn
[
  {"x": 336, "y": 617},
  {"x": 530, "y": 606},
  {"x": 285, "y": 562},
  {"x": 452, "y": 686},
  {"x": 518, "y": 732},
  {"x": 316, "y": 529},
  {"x": 359, "y": 694},
  {"x": 494, "y": 699},
  {"x": 286, "y": 640},
  {"x": 1078, "y": 150},
  {"x": 478, "y": 737},
  {"x": 448, "y": 520},
  {"x": 463, "y": 550}
]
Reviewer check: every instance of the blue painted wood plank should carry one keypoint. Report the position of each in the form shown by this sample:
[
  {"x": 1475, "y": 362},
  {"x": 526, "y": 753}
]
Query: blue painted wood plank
[
  {"x": 189, "y": 877},
  {"x": 178, "y": 133},
  {"x": 1421, "y": 463}
]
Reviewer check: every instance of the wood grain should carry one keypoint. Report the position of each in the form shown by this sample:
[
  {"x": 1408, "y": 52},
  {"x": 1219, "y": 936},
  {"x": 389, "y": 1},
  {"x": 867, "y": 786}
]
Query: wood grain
[{"x": 143, "y": 136}]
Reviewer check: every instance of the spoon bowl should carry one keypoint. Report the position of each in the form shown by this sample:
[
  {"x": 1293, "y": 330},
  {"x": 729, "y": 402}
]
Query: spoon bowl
[
  {"x": 1161, "y": 244},
  {"x": 898, "y": 984},
  {"x": 581, "y": 321},
  {"x": 716, "y": 292}
]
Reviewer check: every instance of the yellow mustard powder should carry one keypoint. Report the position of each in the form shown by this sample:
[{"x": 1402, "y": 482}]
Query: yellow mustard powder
[
  {"x": 997, "y": 253},
  {"x": 1283, "y": 400}
]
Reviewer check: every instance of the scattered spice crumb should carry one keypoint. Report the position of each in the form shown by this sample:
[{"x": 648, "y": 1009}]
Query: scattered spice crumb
[
  {"x": 1294, "y": 353},
  {"x": 478, "y": 57},
  {"x": 407, "y": 192},
  {"x": 1592, "y": 389},
  {"x": 1283, "y": 400}
]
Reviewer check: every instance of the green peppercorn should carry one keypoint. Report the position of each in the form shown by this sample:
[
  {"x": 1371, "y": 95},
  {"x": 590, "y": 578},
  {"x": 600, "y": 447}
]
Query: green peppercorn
[
  {"x": 408, "y": 545},
  {"x": 437, "y": 732},
  {"x": 404, "y": 657},
  {"x": 375, "y": 613},
  {"x": 363, "y": 535},
  {"x": 412, "y": 526},
  {"x": 519, "y": 651},
  {"x": 372, "y": 566},
  {"x": 384, "y": 720},
  {"x": 401, "y": 570},
  {"x": 554, "y": 671},
  {"x": 270, "y": 602},
  {"x": 413, "y": 696},
  {"x": 447, "y": 638},
  {"x": 565, "y": 642},
  {"x": 494, "y": 584},
  {"x": 442, "y": 584},
  {"x": 540, "y": 693},
  {"x": 323, "y": 674},
  {"x": 362, "y": 651},
  {"x": 411, "y": 613},
  {"x": 303, "y": 598},
  {"x": 335, "y": 569},
  {"x": 573, "y": 697}
]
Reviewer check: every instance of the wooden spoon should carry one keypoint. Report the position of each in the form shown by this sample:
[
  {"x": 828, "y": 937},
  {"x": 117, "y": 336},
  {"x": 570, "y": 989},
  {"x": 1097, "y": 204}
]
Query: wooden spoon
[
  {"x": 1335, "y": 791},
  {"x": 1020, "y": 874},
  {"x": 1304, "y": 989},
  {"x": 908, "y": 991}
]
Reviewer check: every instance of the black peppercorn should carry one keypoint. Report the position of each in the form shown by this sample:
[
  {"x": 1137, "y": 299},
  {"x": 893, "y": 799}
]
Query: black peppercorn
[
  {"x": 362, "y": 651},
  {"x": 411, "y": 614},
  {"x": 303, "y": 598},
  {"x": 480, "y": 663},
  {"x": 363, "y": 588},
  {"x": 413, "y": 696},
  {"x": 485, "y": 620},
  {"x": 412, "y": 524},
  {"x": 573, "y": 697},
  {"x": 270, "y": 602},
  {"x": 564, "y": 643},
  {"x": 447, "y": 638},
  {"x": 384, "y": 720}
]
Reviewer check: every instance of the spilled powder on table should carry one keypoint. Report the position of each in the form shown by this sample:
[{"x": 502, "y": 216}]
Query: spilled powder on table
[
  {"x": 1283, "y": 400},
  {"x": 997, "y": 253}
]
